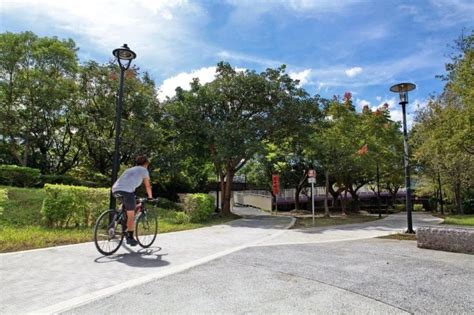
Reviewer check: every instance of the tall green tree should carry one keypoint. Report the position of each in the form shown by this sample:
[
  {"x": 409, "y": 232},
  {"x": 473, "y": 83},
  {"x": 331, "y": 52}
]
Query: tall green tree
[
  {"x": 142, "y": 130},
  {"x": 231, "y": 116},
  {"x": 38, "y": 95},
  {"x": 443, "y": 134}
]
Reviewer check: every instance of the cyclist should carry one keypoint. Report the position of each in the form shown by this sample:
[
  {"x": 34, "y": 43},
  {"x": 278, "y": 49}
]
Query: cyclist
[{"x": 126, "y": 185}]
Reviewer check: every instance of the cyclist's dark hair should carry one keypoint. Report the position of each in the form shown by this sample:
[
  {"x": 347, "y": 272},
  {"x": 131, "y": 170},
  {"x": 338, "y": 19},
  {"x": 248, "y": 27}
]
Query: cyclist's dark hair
[{"x": 141, "y": 160}]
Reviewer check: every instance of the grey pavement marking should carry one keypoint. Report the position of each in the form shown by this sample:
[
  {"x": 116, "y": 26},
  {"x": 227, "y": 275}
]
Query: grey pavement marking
[
  {"x": 357, "y": 277},
  {"x": 47, "y": 280}
]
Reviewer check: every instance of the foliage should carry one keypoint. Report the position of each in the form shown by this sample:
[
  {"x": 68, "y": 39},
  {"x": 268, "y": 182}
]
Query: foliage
[
  {"x": 3, "y": 199},
  {"x": 227, "y": 119},
  {"x": 38, "y": 93},
  {"x": 66, "y": 180},
  {"x": 417, "y": 207},
  {"x": 66, "y": 206},
  {"x": 182, "y": 218},
  {"x": 22, "y": 206},
  {"x": 167, "y": 204},
  {"x": 442, "y": 136},
  {"x": 349, "y": 147},
  {"x": 13, "y": 175},
  {"x": 199, "y": 207},
  {"x": 459, "y": 220}
]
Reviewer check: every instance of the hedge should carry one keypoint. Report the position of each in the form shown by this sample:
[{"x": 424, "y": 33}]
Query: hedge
[
  {"x": 3, "y": 198},
  {"x": 77, "y": 206},
  {"x": 199, "y": 207},
  {"x": 19, "y": 176},
  {"x": 66, "y": 180}
]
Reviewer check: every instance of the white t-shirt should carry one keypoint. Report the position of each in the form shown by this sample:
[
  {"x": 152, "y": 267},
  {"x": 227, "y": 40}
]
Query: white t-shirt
[{"x": 131, "y": 179}]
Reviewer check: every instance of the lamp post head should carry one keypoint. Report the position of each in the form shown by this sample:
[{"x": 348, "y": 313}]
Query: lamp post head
[
  {"x": 402, "y": 89},
  {"x": 124, "y": 56}
]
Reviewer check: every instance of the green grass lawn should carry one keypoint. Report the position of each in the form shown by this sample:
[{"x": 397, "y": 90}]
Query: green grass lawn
[
  {"x": 20, "y": 223},
  {"x": 459, "y": 219},
  {"x": 334, "y": 220}
]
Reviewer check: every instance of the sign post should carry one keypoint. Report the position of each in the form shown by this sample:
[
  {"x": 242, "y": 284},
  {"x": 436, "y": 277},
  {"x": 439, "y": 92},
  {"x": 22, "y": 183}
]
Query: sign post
[
  {"x": 312, "y": 180},
  {"x": 276, "y": 189}
]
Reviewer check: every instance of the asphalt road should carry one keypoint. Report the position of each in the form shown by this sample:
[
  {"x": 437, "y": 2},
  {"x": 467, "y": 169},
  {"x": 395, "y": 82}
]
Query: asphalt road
[{"x": 372, "y": 276}]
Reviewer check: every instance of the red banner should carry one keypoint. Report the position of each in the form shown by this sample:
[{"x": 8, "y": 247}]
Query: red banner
[{"x": 276, "y": 184}]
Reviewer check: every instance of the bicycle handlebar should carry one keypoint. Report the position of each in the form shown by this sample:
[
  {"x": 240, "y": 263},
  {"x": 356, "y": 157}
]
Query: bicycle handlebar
[{"x": 145, "y": 200}]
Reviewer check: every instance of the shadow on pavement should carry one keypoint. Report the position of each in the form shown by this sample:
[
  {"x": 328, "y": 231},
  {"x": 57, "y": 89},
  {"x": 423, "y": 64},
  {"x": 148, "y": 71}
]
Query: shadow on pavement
[{"x": 144, "y": 257}]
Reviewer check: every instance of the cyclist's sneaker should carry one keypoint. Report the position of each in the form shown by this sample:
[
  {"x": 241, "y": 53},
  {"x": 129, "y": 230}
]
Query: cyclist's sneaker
[{"x": 131, "y": 241}]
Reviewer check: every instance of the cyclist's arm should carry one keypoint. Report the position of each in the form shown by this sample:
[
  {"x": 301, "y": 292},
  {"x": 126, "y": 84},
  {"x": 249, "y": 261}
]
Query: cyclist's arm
[{"x": 146, "y": 182}]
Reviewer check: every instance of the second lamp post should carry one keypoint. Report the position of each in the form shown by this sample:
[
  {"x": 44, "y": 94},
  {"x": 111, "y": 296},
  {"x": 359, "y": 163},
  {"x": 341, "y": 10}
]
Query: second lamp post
[{"x": 402, "y": 89}]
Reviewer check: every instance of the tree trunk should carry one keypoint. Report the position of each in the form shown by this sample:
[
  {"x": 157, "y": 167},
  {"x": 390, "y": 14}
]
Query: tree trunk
[
  {"x": 457, "y": 196},
  {"x": 440, "y": 198},
  {"x": 343, "y": 202},
  {"x": 326, "y": 196},
  {"x": 222, "y": 183},
  {"x": 228, "y": 193},
  {"x": 355, "y": 198},
  {"x": 24, "y": 161},
  {"x": 335, "y": 195},
  {"x": 297, "y": 198}
]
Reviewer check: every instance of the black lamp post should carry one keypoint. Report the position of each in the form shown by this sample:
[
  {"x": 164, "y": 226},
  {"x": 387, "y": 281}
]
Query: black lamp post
[
  {"x": 402, "y": 89},
  {"x": 124, "y": 58}
]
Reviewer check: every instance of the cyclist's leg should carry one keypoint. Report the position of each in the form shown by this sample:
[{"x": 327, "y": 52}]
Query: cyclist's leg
[{"x": 129, "y": 202}]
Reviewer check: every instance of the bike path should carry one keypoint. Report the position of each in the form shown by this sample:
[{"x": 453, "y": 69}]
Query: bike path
[
  {"x": 54, "y": 279},
  {"x": 395, "y": 223}
]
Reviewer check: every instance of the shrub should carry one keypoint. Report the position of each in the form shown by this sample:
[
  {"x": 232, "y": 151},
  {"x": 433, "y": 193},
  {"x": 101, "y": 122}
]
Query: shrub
[
  {"x": 13, "y": 175},
  {"x": 199, "y": 207},
  {"x": 399, "y": 207},
  {"x": 167, "y": 204},
  {"x": 181, "y": 218},
  {"x": 73, "y": 205},
  {"x": 66, "y": 180},
  {"x": 3, "y": 198},
  {"x": 417, "y": 207}
]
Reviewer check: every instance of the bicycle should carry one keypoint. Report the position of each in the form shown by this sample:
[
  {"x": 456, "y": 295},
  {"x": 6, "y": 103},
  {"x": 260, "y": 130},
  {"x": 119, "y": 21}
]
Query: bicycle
[{"x": 111, "y": 226}]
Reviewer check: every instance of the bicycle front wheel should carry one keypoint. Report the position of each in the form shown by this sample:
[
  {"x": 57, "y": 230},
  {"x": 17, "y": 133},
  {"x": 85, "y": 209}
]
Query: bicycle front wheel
[
  {"x": 146, "y": 228},
  {"x": 108, "y": 232}
]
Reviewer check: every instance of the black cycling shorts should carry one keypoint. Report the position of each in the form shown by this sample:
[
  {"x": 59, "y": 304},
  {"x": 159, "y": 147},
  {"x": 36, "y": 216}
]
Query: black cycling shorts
[{"x": 128, "y": 199}]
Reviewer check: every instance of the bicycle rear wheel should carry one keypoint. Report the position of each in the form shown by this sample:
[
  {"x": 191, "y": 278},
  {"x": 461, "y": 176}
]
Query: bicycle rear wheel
[
  {"x": 108, "y": 232},
  {"x": 146, "y": 228}
]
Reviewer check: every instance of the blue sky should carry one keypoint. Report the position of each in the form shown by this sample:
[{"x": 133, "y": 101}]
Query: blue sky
[{"x": 332, "y": 46}]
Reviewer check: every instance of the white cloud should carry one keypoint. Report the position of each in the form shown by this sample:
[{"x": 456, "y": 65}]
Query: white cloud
[
  {"x": 183, "y": 80},
  {"x": 302, "y": 76},
  {"x": 378, "y": 98},
  {"x": 360, "y": 103},
  {"x": 163, "y": 30},
  {"x": 352, "y": 72},
  {"x": 239, "y": 57},
  {"x": 396, "y": 113},
  {"x": 308, "y": 7}
]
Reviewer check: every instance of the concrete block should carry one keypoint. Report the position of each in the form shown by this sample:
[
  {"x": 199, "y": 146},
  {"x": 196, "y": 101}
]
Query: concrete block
[{"x": 447, "y": 238}]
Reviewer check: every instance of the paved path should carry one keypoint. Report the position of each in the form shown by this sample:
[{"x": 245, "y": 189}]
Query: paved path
[
  {"x": 49, "y": 280},
  {"x": 392, "y": 224},
  {"x": 56, "y": 279},
  {"x": 371, "y": 276}
]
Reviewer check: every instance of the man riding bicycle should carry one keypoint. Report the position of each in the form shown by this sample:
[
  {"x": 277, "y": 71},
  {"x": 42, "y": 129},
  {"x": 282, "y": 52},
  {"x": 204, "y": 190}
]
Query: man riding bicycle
[{"x": 126, "y": 185}]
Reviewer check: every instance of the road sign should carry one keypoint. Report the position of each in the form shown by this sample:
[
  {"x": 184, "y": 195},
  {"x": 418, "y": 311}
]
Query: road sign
[
  {"x": 311, "y": 173},
  {"x": 276, "y": 184},
  {"x": 311, "y": 180}
]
